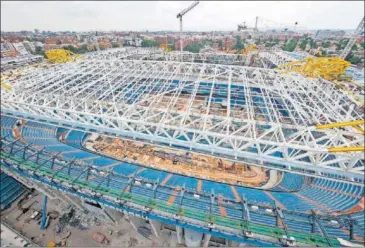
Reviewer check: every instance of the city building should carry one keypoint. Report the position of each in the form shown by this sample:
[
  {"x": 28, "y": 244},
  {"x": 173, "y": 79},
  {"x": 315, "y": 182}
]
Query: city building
[
  {"x": 29, "y": 46},
  {"x": 19, "y": 47},
  {"x": 325, "y": 34}
]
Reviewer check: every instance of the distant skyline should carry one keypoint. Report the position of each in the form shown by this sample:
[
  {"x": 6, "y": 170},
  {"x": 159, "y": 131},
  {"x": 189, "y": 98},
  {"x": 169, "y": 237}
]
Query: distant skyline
[{"x": 161, "y": 15}]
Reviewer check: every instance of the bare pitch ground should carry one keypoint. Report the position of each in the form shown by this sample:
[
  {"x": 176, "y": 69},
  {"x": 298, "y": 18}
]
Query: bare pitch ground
[{"x": 184, "y": 163}]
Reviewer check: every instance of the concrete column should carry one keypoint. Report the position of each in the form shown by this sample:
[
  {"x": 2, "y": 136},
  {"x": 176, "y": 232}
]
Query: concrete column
[
  {"x": 206, "y": 240},
  {"x": 179, "y": 233},
  {"x": 156, "y": 227}
]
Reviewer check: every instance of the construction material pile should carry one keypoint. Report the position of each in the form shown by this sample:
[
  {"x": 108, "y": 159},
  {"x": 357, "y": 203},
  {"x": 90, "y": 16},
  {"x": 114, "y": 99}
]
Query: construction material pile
[{"x": 325, "y": 67}]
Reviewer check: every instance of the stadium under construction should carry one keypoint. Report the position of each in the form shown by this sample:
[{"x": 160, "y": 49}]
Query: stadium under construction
[{"x": 210, "y": 145}]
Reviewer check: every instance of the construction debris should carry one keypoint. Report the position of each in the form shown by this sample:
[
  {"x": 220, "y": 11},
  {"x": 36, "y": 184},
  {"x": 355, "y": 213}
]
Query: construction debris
[{"x": 132, "y": 242}]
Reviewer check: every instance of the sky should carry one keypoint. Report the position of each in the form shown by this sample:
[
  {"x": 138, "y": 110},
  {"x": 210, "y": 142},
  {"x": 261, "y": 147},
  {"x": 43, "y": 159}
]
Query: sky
[{"x": 161, "y": 15}]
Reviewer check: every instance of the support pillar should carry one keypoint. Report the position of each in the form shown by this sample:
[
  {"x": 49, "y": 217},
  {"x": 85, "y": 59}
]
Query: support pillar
[
  {"x": 179, "y": 233},
  {"x": 44, "y": 213},
  {"x": 156, "y": 227},
  {"x": 206, "y": 239}
]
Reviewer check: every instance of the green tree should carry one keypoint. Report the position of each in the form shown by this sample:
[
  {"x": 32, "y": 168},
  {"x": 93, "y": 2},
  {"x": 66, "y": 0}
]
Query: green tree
[
  {"x": 362, "y": 44},
  {"x": 277, "y": 41},
  {"x": 149, "y": 43},
  {"x": 83, "y": 49},
  {"x": 343, "y": 43},
  {"x": 115, "y": 44},
  {"x": 194, "y": 48},
  {"x": 80, "y": 50},
  {"x": 354, "y": 60},
  {"x": 239, "y": 44},
  {"x": 39, "y": 51},
  {"x": 313, "y": 44},
  {"x": 71, "y": 48},
  {"x": 303, "y": 44},
  {"x": 290, "y": 46},
  {"x": 220, "y": 44},
  {"x": 338, "y": 46},
  {"x": 354, "y": 47},
  {"x": 326, "y": 44}
]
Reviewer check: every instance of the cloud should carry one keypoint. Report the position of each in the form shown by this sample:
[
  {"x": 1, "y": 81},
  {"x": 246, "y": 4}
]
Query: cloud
[{"x": 161, "y": 15}]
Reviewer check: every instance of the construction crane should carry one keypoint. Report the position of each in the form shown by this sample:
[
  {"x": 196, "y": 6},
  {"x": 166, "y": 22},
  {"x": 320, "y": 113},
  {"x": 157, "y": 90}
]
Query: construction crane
[
  {"x": 165, "y": 47},
  {"x": 61, "y": 56},
  {"x": 357, "y": 125},
  {"x": 328, "y": 68},
  {"x": 243, "y": 26},
  {"x": 180, "y": 15},
  {"x": 352, "y": 41},
  {"x": 248, "y": 49}
]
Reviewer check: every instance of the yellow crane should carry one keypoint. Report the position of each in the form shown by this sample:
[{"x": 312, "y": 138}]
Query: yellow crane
[
  {"x": 325, "y": 67},
  {"x": 165, "y": 47},
  {"x": 61, "y": 56},
  {"x": 248, "y": 49},
  {"x": 358, "y": 125},
  {"x": 5, "y": 86}
]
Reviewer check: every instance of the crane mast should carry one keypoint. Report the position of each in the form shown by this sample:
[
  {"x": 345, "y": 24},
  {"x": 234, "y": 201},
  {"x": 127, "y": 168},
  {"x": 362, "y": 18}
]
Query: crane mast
[
  {"x": 352, "y": 41},
  {"x": 180, "y": 15}
]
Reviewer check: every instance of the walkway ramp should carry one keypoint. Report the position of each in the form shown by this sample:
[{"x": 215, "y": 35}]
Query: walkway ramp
[
  {"x": 199, "y": 186},
  {"x": 235, "y": 193},
  {"x": 172, "y": 198},
  {"x": 167, "y": 178},
  {"x": 278, "y": 203}
]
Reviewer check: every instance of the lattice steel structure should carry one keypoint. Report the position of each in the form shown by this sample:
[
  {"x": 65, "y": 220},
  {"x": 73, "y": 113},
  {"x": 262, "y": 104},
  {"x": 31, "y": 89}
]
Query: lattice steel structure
[
  {"x": 125, "y": 53},
  {"x": 253, "y": 115},
  {"x": 275, "y": 58}
]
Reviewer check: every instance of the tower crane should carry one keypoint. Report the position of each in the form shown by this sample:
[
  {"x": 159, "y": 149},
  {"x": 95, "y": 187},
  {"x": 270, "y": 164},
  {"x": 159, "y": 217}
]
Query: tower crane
[
  {"x": 351, "y": 42},
  {"x": 180, "y": 15}
]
